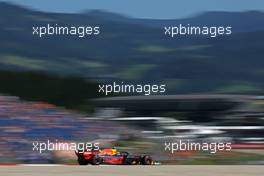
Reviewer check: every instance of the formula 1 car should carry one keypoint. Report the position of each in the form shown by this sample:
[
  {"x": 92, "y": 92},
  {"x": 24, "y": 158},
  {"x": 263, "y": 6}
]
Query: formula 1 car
[{"x": 120, "y": 158}]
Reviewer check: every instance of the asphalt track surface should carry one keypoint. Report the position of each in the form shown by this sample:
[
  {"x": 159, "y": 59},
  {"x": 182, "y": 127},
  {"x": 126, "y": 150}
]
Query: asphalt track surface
[{"x": 132, "y": 170}]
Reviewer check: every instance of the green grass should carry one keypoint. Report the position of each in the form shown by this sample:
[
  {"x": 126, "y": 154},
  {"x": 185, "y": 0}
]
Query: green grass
[
  {"x": 162, "y": 49},
  {"x": 238, "y": 87},
  {"x": 154, "y": 49},
  {"x": 91, "y": 64},
  {"x": 135, "y": 71},
  {"x": 23, "y": 62}
]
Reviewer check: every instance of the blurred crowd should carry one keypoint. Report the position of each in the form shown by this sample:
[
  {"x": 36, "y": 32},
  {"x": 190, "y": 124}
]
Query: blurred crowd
[{"x": 22, "y": 123}]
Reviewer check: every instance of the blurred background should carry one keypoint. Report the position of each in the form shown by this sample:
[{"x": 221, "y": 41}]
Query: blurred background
[{"x": 49, "y": 86}]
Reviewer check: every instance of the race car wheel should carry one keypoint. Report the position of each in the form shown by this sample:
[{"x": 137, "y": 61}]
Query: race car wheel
[
  {"x": 130, "y": 161},
  {"x": 134, "y": 162},
  {"x": 147, "y": 160},
  {"x": 82, "y": 161},
  {"x": 96, "y": 160}
]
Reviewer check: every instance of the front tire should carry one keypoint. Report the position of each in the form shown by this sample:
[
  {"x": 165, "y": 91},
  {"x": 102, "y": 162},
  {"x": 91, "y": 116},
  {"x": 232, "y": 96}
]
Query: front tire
[{"x": 147, "y": 160}]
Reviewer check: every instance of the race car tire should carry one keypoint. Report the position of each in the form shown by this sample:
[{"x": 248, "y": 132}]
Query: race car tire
[
  {"x": 147, "y": 160},
  {"x": 96, "y": 160},
  {"x": 131, "y": 161},
  {"x": 134, "y": 162},
  {"x": 82, "y": 161}
]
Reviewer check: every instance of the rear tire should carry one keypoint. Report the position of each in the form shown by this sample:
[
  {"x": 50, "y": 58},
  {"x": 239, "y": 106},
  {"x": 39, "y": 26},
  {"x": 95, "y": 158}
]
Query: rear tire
[
  {"x": 82, "y": 161},
  {"x": 134, "y": 162},
  {"x": 131, "y": 161},
  {"x": 96, "y": 160}
]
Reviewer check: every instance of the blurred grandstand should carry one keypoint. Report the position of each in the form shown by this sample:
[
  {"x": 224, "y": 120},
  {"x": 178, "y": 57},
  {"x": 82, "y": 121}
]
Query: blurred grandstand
[
  {"x": 138, "y": 125},
  {"x": 22, "y": 123},
  {"x": 238, "y": 119}
]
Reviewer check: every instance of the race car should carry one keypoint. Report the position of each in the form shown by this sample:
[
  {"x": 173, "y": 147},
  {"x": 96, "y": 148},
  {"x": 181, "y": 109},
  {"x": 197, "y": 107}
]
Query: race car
[{"x": 112, "y": 157}]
